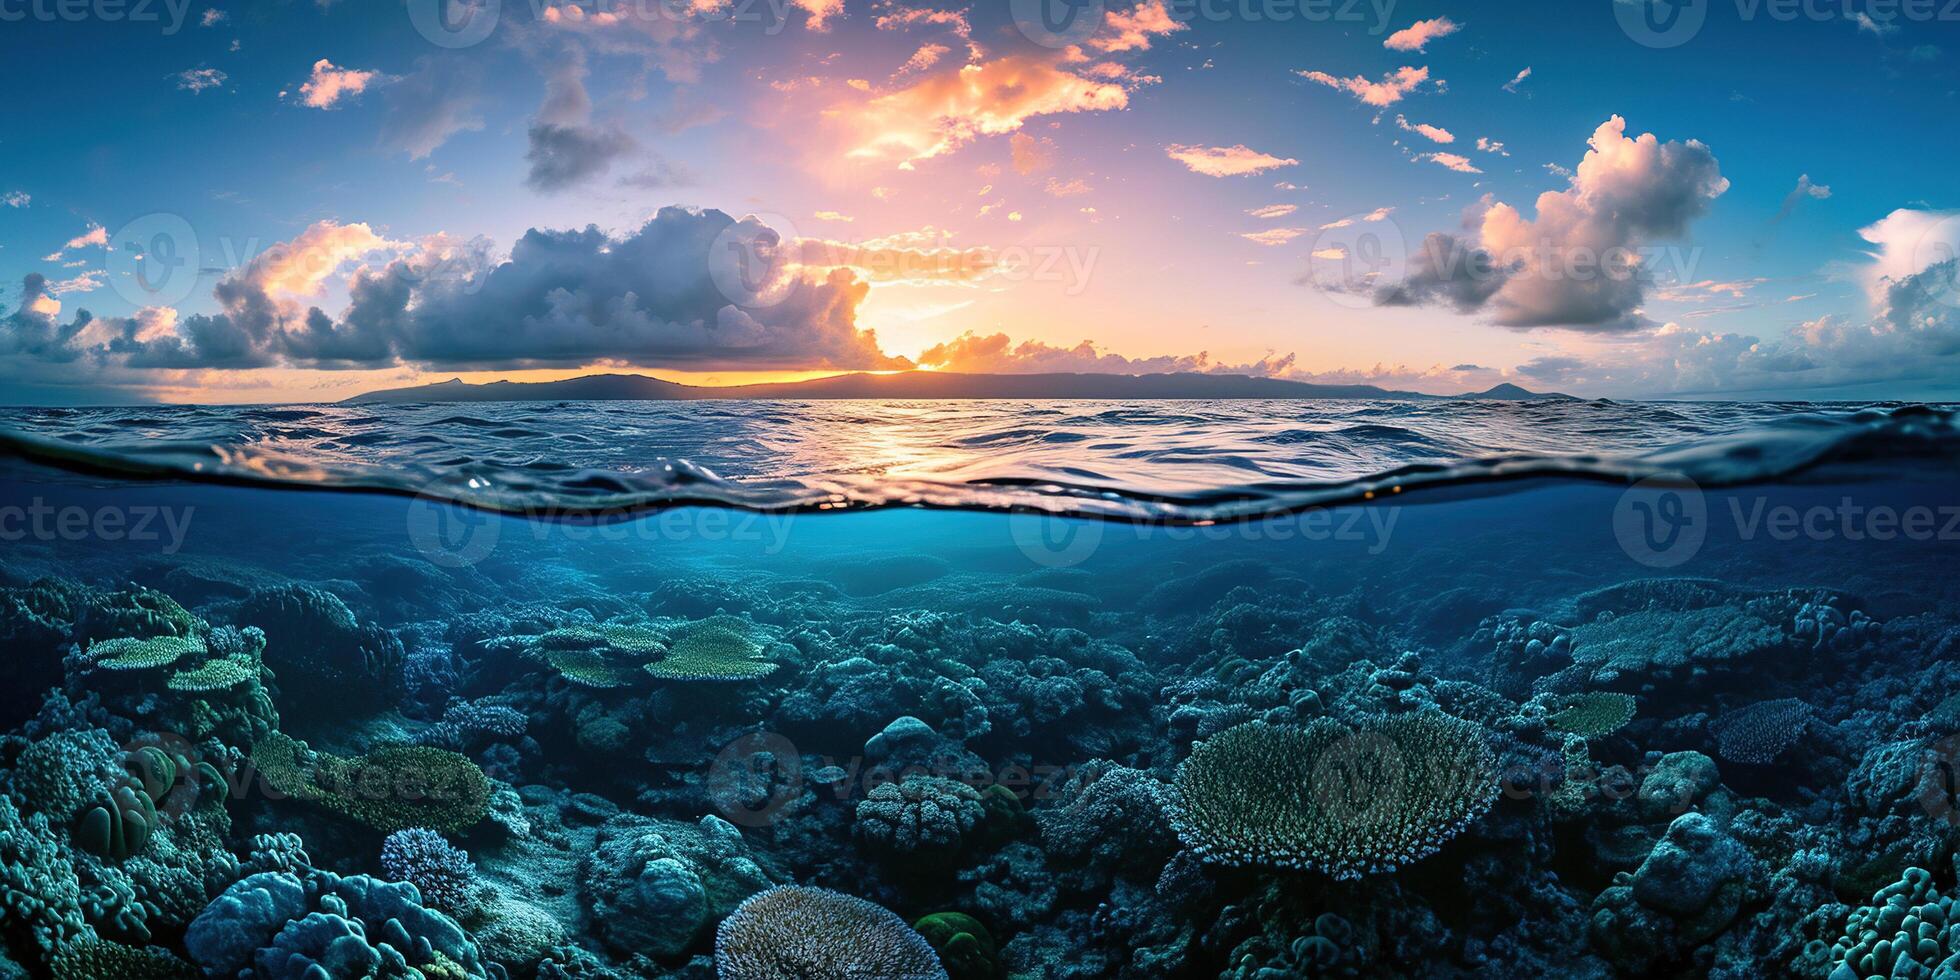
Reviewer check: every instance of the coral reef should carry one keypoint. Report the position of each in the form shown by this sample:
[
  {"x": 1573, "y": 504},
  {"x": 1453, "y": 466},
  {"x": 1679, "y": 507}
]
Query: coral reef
[
  {"x": 791, "y": 932},
  {"x": 1347, "y": 802}
]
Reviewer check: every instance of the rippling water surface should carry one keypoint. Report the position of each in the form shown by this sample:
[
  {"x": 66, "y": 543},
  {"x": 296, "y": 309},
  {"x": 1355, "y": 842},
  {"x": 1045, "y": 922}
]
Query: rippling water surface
[{"x": 1152, "y": 460}]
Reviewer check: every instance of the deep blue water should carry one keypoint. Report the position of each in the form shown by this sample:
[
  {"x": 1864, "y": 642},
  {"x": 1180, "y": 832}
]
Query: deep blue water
[{"x": 1482, "y": 689}]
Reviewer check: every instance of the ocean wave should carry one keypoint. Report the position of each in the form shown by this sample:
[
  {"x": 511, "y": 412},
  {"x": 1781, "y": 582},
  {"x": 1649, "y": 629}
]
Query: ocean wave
[{"x": 1180, "y": 462}]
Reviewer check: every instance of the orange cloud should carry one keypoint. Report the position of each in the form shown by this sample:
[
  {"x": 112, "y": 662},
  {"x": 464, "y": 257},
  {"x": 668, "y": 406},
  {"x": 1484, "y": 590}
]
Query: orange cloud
[
  {"x": 1390, "y": 90},
  {"x": 329, "y": 84},
  {"x": 1226, "y": 161},
  {"x": 943, "y": 112},
  {"x": 1417, "y": 35},
  {"x": 1131, "y": 30}
]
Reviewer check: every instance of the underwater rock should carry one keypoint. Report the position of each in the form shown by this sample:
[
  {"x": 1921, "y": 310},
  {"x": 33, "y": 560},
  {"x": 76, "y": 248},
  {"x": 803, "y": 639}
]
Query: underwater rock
[
  {"x": 1690, "y": 888},
  {"x": 1110, "y": 817},
  {"x": 655, "y": 887},
  {"x": 797, "y": 933}
]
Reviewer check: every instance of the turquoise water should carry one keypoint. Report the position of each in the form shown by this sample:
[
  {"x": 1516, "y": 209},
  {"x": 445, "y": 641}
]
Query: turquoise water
[{"x": 1245, "y": 690}]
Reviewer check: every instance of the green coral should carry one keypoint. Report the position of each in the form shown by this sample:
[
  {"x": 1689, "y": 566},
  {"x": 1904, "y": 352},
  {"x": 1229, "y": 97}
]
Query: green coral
[
  {"x": 965, "y": 947},
  {"x": 221, "y": 674},
  {"x": 632, "y": 637},
  {"x": 1594, "y": 714},
  {"x": 103, "y": 960},
  {"x": 718, "y": 649},
  {"x": 132, "y": 653},
  {"x": 390, "y": 789},
  {"x": 588, "y": 667},
  {"x": 1347, "y": 802}
]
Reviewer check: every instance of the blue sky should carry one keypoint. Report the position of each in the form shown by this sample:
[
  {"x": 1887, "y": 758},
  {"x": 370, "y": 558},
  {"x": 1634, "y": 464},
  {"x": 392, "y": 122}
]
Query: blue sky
[{"x": 1185, "y": 188}]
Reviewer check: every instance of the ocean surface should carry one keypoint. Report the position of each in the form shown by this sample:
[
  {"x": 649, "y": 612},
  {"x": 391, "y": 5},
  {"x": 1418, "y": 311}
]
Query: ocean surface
[{"x": 980, "y": 690}]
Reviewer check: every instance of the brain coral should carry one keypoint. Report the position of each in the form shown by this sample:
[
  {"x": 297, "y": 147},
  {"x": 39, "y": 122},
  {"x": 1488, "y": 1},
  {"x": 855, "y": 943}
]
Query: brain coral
[
  {"x": 1345, "y": 802},
  {"x": 921, "y": 813},
  {"x": 795, "y": 933}
]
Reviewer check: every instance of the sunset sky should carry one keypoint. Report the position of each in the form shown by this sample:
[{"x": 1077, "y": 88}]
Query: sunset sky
[{"x": 302, "y": 200}]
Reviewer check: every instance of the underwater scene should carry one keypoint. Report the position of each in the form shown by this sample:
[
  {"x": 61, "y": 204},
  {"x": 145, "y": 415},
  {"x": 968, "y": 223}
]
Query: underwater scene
[{"x": 1045, "y": 690}]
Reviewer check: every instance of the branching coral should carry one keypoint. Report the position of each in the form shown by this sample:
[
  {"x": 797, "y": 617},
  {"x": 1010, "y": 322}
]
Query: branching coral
[
  {"x": 101, "y": 960},
  {"x": 795, "y": 933},
  {"x": 441, "y": 871},
  {"x": 1659, "y": 644},
  {"x": 132, "y": 653},
  {"x": 1345, "y": 802},
  {"x": 1594, "y": 714},
  {"x": 718, "y": 649},
  {"x": 1756, "y": 734}
]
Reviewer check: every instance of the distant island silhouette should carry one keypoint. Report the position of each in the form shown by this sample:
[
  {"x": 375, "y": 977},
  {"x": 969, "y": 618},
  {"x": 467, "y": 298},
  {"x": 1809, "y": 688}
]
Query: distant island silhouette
[{"x": 938, "y": 385}]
